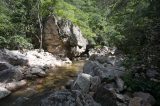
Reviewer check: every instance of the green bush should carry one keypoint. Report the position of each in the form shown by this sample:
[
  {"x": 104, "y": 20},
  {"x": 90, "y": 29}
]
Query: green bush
[
  {"x": 19, "y": 42},
  {"x": 3, "y": 42}
]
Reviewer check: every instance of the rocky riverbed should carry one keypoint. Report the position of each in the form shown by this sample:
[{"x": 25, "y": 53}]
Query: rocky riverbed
[
  {"x": 98, "y": 83},
  {"x": 16, "y": 67}
]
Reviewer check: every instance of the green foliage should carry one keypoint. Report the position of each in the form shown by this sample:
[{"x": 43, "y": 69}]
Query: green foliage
[
  {"x": 21, "y": 21},
  {"x": 17, "y": 42},
  {"x": 77, "y": 16},
  {"x": 3, "y": 42}
]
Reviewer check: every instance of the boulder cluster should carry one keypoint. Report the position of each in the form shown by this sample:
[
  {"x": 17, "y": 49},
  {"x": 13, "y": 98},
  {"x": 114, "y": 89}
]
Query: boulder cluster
[{"x": 15, "y": 67}]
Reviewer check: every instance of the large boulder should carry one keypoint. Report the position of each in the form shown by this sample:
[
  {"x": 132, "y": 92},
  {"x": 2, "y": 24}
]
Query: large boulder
[
  {"x": 86, "y": 83},
  {"x": 68, "y": 98},
  {"x": 94, "y": 68},
  {"x": 63, "y": 38},
  {"x": 52, "y": 41},
  {"x": 82, "y": 82},
  {"x": 72, "y": 36},
  {"x": 38, "y": 71}
]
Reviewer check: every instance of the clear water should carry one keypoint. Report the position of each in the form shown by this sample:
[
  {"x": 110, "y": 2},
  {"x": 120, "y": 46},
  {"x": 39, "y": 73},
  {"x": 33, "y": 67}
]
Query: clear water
[{"x": 56, "y": 80}]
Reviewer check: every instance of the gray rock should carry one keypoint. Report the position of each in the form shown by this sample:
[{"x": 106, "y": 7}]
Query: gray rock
[
  {"x": 4, "y": 92},
  {"x": 67, "y": 98},
  {"x": 38, "y": 71},
  {"x": 120, "y": 84},
  {"x": 146, "y": 97},
  {"x": 82, "y": 82},
  {"x": 13, "y": 74},
  {"x": 4, "y": 65},
  {"x": 105, "y": 97},
  {"x": 138, "y": 101},
  {"x": 94, "y": 68},
  {"x": 95, "y": 82},
  {"x": 62, "y": 37}
]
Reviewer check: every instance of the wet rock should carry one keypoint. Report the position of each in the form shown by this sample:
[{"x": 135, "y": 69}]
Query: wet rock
[
  {"x": 4, "y": 92},
  {"x": 82, "y": 82},
  {"x": 67, "y": 98},
  {"x": 146, "y": 97},
  {"x": 15, "y": 85}
]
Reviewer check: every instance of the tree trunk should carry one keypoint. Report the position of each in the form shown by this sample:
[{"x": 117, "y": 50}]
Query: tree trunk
[{"x": 40, "y": 26}]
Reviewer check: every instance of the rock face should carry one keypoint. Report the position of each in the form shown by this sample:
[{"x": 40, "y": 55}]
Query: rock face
[
  {"x": 63, "y": 38},
  {"x": 52, "y": 41}
]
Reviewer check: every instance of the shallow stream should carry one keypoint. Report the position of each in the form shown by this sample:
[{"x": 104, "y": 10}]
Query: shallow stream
[{"x": 55, "y": 80}]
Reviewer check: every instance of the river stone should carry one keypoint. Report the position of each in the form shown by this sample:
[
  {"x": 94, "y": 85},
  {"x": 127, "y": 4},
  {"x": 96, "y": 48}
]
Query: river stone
[
  {"x": 82, "y": 82},
  {"x": 38, "y": 71},
  {"x": 4, "y": 92}
]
